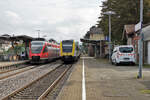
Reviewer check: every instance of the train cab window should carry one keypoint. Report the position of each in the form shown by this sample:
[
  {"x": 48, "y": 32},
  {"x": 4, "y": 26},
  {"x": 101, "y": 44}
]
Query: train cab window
[
  {"x": 67, "y": 47},
  {"x": 49, "y": 45},
  {"x": 45, "y": 50}
]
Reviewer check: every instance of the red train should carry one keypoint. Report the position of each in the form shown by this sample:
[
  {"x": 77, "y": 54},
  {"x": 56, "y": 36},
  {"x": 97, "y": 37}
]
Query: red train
[{"x": 41, "y": 51}]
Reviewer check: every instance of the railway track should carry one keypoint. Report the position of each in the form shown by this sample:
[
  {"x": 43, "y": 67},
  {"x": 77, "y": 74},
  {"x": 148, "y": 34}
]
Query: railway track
[
  {"x": 17, "y": 69},
  {"x": 38, "y": 89},
  {"x": 12, "y": 68}
]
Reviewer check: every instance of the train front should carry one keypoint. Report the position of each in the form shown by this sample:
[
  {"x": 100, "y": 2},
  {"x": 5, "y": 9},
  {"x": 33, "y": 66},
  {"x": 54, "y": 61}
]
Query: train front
[
  {"x": 67, "y": 50},
  {"x": 35, "y": 52}
]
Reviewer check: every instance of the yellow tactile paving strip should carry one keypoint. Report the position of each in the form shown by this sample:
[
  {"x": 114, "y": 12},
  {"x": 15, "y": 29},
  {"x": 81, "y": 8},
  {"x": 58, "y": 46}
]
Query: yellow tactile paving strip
[{"x": 73, "y": 88}]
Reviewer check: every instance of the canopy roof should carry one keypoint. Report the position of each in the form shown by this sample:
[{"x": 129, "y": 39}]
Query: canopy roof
[
  {"x": 16, "y": 38},
  {"x": 91, "y": 41}
]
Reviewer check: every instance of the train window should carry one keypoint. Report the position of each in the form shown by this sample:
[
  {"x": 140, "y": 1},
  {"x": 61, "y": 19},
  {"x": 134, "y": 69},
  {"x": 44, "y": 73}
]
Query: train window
[
  {"x": 49, "y": 46},
  {"x": 67, "y": 42},
  {"x": 36, "y": 49},
  {"x": 36, "y": 43},
  {"x": 67, "y": 46},
  {"x": 45, "y": 50}
]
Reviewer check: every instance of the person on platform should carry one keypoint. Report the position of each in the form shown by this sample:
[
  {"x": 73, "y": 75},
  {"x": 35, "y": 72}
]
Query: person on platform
[{"x": 23, "y": 55}]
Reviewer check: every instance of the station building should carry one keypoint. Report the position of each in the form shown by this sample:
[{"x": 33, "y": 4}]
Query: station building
[
  {"x": 132, "y": 38},
  {"x": 8, "y": 43},
  {"x": 95, "y": 43}
]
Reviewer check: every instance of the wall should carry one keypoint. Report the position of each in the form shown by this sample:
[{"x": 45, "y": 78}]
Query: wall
[{"x": 97, "y": 36}]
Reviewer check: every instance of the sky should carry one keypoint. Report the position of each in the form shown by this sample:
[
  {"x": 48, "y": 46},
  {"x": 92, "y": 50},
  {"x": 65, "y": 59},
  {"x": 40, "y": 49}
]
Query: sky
[{"x": 57, "y": 19}]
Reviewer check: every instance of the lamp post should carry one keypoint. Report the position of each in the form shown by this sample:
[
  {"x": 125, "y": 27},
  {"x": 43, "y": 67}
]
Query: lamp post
[
  {"x": 109, "y": 13},
  {"x": 141, "y": 41},
  {"x": 38, "y": 33},
  {"x": 44, "y": 36}
]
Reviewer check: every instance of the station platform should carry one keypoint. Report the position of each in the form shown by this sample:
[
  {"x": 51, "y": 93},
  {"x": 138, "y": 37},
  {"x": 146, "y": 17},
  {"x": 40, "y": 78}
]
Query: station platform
[
  {"x": 104, "y": 81},
  {"x": 10, "y": 63}
]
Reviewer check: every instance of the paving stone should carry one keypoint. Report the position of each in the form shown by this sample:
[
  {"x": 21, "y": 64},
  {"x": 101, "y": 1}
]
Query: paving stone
[{"x": 106, "y": 82}]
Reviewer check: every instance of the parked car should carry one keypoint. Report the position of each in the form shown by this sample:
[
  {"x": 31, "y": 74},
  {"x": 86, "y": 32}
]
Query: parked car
[{"x": 123, "y": 54}]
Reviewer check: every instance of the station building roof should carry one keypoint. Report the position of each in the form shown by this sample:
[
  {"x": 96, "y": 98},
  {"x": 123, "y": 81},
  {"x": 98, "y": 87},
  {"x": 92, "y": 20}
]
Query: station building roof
[
  {"x": 16, "y": 38},
  {"x": 129, "y": 29},
  {"x": 5, "y": 37},
  {"x": 22, "y": 37}
]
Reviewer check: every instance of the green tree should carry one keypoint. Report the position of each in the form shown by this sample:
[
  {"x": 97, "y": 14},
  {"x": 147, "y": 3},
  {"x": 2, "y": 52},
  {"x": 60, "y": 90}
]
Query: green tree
[{"x": 126, "y": 12}]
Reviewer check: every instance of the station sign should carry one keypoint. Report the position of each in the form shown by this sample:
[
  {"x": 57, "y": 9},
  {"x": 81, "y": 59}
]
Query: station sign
[
  {"x": 138, "y": 26},
  {"x": 107, "y": 38}
]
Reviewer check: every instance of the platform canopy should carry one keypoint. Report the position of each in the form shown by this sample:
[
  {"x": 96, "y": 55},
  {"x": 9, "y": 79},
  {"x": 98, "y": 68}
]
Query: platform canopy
[
  {"x": 25, "y": 38},
  {"x": 5, "y": 37},
  {"x": 22, "y": 37},
  {"x": 91, "y": 41}
]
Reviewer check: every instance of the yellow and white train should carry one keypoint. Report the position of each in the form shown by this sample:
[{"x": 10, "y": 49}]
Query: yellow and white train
[{"x": 69, "y": 51}]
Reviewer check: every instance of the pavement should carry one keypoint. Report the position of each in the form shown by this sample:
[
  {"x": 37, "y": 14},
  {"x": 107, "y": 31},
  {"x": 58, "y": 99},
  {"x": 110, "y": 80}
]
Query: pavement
[
  {"x": 73, "y": 88},
  {"x": 104, "y": 81},
  {"x": 10, "y": 63}
]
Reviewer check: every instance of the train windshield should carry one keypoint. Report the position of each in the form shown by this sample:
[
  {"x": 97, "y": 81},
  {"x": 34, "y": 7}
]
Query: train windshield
[
  {"x": 67, "y": 46},
  {"x": 36, "y": 47}
]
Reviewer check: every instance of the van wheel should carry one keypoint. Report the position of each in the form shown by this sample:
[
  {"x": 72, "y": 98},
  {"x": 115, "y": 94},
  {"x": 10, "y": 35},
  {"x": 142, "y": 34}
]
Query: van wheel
[
  {"x": 112, "y": 62},
  {"x": 117, "y": 64},
  {"x": 133, "y": 64}
]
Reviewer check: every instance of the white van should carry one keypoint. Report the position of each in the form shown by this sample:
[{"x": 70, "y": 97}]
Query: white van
[{"x": 123, "y": 54}]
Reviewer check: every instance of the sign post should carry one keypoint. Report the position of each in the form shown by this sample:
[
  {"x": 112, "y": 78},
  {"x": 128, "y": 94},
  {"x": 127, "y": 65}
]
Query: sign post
[{"x": 141, "y": 41}]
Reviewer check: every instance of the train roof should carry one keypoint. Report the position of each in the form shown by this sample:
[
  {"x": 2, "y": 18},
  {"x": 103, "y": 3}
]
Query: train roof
[
  {"x": 38, "y": 39},
  {"x": 43, "y": 42},
  {"x": 67, "y": 40}
]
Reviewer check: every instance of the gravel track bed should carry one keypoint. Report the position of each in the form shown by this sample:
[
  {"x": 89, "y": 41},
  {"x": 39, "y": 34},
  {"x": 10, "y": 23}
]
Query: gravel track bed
[
  {"x": 12, "y": 63},
  {"x": 34, "y": 91},
  {"x": 13, "y": 67},
  {"x": 13, "y": 83},
  {"x": 11, "y": 73},
  {"x": 55, "y": 92}
]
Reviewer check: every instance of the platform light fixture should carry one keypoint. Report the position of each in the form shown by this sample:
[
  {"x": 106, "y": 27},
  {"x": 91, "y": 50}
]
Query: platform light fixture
[
  {"x": 109, "y": 13},
  {"x": 38, "y": 33}
]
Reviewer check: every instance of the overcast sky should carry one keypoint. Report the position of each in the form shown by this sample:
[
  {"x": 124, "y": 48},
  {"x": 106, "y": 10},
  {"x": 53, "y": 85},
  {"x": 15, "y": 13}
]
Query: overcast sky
[{"x": 58, "y": 19}]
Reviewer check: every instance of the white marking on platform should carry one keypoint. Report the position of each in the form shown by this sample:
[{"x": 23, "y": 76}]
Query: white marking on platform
[
  {"x": 87, "y": 57},
  {"x": 83, "y": 83}
]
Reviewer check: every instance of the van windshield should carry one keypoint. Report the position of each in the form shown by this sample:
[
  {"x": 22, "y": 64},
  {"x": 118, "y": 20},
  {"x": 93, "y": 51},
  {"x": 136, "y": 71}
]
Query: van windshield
[{"x": 126, "y": 49}]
